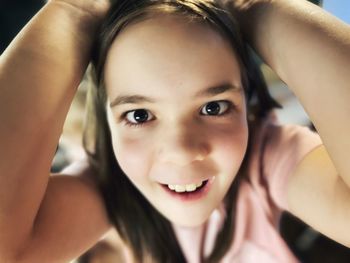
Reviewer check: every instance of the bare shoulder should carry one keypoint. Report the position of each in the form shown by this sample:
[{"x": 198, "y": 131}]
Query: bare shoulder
[{"x": 71, "y": 218}]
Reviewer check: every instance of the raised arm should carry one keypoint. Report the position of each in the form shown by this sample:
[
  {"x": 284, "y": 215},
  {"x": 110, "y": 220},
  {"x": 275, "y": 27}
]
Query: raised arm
[
  {"x": 310, "y": 50},
  {"x": 39, "y": 73}
]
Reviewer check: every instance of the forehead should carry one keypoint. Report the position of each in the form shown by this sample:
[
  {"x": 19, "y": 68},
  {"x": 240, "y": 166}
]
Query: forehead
[{"x": 169, "y": 52}]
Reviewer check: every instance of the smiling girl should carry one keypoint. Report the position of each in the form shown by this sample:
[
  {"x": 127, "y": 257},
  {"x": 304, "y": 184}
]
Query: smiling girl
[{"x": 184, "y": 156}]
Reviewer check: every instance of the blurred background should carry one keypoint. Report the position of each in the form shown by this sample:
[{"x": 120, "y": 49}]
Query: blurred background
[{"x": 306, "y": 243}]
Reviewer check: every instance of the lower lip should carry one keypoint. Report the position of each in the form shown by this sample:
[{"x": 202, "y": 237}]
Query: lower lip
[{"x": 191, "y": 196}]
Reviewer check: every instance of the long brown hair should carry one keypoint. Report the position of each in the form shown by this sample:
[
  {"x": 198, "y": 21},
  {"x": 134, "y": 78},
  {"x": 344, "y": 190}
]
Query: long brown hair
[{"x": 141, "y": 226}]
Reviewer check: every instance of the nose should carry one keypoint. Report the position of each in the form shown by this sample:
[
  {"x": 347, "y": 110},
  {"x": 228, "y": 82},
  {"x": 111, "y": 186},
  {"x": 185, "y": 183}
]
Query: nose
[{"x": 182, "y": 145}]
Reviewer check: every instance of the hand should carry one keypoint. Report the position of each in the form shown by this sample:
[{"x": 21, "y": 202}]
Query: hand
[
  {"x": 242, "y": 5},
  {"x": 250, "y": 16},
  {"x": 94, "y": 8}
]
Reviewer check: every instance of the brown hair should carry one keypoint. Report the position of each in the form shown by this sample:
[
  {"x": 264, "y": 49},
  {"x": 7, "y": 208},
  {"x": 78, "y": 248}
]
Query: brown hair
[{"x": 141, "y": 226}]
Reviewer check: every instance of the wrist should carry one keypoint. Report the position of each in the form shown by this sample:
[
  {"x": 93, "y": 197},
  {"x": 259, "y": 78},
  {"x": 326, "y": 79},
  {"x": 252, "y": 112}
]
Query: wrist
[
  {"x": 253, "y": 17},
  {"x": 87, "y": 14}
]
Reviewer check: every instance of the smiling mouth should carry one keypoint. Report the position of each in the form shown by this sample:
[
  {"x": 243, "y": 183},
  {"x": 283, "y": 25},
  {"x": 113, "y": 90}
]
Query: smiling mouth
[
  {"x": 191, "y": 195},
  {"x": 183, "y": 189}
]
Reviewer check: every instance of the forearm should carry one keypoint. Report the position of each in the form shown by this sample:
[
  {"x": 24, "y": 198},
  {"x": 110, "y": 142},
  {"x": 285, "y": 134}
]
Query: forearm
[
  {"x": 310, "y": 50},
  {"x": 43, "y": 66},
  {"x": 39, "y": 74}
]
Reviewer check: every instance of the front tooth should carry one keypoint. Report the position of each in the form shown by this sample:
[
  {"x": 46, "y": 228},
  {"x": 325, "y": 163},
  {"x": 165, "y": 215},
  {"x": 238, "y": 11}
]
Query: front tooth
[
  {"x": 180, "y": 188},
  {"x": 190, "y": 187}
]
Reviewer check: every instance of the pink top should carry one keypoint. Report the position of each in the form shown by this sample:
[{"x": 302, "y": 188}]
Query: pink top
[{"x": 276, "y": 152}]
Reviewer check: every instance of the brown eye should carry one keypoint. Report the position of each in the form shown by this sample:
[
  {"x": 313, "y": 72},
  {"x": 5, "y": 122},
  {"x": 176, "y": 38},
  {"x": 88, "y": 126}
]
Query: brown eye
[
  {"x": 138, "y": 116},
  {"x": 214, "y": 108}
]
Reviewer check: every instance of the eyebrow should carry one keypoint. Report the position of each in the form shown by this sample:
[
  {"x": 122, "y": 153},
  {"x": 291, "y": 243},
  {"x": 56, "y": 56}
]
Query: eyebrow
[{"x": 211, "y": 91}]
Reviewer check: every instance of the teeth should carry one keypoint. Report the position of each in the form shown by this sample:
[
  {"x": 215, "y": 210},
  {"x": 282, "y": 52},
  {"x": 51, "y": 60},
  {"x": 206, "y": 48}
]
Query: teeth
[
  {"x": 190, "y": 187},
  {"x": 184, "y": 188},
  {"x": 180, "y": 188},
  {"x": 199, "y": 184}
]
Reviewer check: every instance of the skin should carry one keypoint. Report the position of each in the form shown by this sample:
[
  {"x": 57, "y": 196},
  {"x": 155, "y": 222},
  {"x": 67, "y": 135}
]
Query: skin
[
  {"x": 40, "y": 222},
  {"x": 176, "y": 145}
]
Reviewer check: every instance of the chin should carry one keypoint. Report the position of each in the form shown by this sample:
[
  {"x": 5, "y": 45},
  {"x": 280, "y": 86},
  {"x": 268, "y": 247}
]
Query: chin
[{"x": 188, "y": 219}]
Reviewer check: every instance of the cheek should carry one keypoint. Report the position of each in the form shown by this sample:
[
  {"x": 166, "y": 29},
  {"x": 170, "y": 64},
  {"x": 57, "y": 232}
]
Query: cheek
[
  {"x": 230, "y": 146},
  {"x": 133, "y": 153},
  {"x": 133, "y": 156}
]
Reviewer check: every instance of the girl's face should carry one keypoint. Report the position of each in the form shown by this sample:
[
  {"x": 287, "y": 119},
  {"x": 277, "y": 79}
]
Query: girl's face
[{"x": 177, "y": 114}]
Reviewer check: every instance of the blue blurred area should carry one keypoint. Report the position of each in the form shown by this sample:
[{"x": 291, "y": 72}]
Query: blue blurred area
[{"x": 339, "y": 8}]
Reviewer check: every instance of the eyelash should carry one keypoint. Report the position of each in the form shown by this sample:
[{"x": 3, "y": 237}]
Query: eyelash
[{"x": 230, "y": 107}]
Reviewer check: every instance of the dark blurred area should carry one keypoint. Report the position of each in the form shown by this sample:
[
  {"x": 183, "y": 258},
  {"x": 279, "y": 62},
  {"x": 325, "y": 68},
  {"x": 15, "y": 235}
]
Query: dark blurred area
[
  {"x": 309, "y": 245},
  {"x": 316, "y": 2},
  {"x": 13, "y": 16}
]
